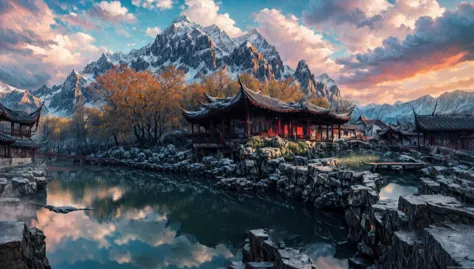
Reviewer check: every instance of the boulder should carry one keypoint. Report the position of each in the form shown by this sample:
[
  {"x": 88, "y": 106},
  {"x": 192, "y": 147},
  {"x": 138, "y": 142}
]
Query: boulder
[
  {"x": 3, "y": 184},
  {"x": 23, "y": 186},
  {"x": 22, "y": 248}
]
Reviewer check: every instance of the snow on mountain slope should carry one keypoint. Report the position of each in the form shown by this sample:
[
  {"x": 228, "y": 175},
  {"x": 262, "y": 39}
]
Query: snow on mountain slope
[
  {"x": 220, "y": 39},
  {"x": 18, "y": 99},
  {"x": 268, "y": 51},
  {"x": 195, "y": 50},
  {"x": 322, "y": 86},
  {"x": 456, "y": 102}
]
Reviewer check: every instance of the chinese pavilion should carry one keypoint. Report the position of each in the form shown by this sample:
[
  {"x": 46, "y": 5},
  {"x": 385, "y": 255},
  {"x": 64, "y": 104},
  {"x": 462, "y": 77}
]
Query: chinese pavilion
[
  {"x": 16, "y": 129},
  {"x": 250, "y": 114},
  {"x": 453, "y": 131}
]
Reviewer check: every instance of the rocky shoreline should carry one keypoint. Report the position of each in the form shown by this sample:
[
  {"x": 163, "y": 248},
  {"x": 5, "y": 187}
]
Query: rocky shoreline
[
  {"x": 385, "y": 232},
  {"x": 21, "y": 247}
]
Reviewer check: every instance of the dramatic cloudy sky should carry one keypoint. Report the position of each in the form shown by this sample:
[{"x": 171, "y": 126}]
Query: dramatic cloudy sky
[{"x": 376, "y": 50}]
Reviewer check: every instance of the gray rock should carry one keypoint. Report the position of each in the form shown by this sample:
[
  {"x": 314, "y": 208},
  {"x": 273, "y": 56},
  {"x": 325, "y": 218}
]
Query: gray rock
[
  {"x": 22, "y": 248},
  {"x": 3, "y": 184},
  {"x": 449, "y": 246}
]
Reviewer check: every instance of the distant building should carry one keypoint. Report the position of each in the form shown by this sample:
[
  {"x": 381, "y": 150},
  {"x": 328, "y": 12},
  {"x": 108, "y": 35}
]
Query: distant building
[
  {"x": 453, "y": 131},
  {"x": 398, "y": 135},
  {"x": 235, "y": 119},
  {"x": 351, "y": 131},
  {"x": 371, "y": 128},
  {"x": 16, "y": 129}
]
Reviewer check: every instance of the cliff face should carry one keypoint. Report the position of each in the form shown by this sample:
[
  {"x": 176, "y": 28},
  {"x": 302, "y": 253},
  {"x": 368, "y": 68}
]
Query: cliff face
[{"x": 22, "y": 247}]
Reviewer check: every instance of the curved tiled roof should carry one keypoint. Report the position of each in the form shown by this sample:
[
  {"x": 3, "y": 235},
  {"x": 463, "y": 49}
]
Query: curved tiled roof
[
  {"x": 29, "y": 144},
  {"x": 444, "y": 123},
  {"x": 6, "y": 139},
  {"x": 19, "y": 116},
  {"x": 219, "y": 105}
]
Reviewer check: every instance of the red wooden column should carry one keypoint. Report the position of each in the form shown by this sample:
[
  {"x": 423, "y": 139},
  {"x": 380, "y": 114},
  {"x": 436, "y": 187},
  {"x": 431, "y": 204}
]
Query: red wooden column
[
  {"x": 320, "y": 132},
  {"x": 310, "y": 131},
  {"x": 280, "y": 131}
]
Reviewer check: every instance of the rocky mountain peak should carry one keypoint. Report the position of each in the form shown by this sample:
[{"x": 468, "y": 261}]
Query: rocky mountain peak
[
  {"x": 180, "y": 26},
  {"x": 18, "y": 99},
  {"x": 302, "y": 67},
  {"x": 324, "y": 76},
  {"x": 182, "y": 19},
  {"x": 195, "y": 50}
]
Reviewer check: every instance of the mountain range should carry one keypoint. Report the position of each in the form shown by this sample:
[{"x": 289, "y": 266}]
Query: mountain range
[
  {"x": 18, "y": 99},
  {"x": 197, "y": 51},
  {"x": 455, "y": 102}
]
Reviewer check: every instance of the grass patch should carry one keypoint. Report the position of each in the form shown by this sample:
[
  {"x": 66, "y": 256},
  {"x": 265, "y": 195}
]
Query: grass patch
[{"x": 354, "y": 161}]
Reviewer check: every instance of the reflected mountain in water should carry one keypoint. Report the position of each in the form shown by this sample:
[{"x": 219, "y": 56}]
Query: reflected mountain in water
[{"x": 144, "y": 220}]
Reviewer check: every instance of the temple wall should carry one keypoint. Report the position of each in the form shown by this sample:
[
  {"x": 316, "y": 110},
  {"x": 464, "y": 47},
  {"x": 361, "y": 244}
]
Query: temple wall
[{"x": 10, "y": 162}]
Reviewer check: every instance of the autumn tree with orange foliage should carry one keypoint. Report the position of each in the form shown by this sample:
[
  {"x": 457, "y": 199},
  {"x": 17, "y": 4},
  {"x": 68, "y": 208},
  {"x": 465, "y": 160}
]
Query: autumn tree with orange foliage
[
  {"x": 286, "y": 90},
  {"x": 142, "y": 102},
  {"x": 319, "y": 101}
]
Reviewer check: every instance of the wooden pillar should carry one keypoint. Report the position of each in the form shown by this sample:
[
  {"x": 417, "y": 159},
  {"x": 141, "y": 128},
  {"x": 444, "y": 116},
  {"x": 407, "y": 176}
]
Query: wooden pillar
[
  {"x": 12, "y": 126},
  {"x": 199, "y": 130},
  {"x": 222, "y": 128},
  {"x": 320, "y": 133},
  {"x": 339, "y": 131},
  {"x": 288, "y": 128},
  {"x": 308, "y": 129},
  {"x": 327, "y": 131},
  {"x": 280, "y": 131},
  {"x": 246, "y": 124},
  {"x": 418, "y": 137},
  {"x": 211, "y": 129}
]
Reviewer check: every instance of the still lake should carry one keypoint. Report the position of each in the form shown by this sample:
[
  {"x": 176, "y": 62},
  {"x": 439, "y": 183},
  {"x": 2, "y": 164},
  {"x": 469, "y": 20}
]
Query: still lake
[{"x": 148, "y": 220}]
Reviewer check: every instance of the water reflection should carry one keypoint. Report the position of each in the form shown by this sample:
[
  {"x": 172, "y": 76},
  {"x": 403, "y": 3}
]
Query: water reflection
[
  {"x": 399, "y": 185},
  {"x": 143, "y": 220}
]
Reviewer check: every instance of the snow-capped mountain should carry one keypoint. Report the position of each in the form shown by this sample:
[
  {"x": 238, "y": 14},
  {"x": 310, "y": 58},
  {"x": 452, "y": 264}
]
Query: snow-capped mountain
[
  {"x": 322, "y": 86},
  {"x": 197, "y": 51},
  {"x": 18, "y": 99},
  {"x": 456, "y": 102},
  {"x": 63, "y": 99},
  {"x": 268, "y": 51}
]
